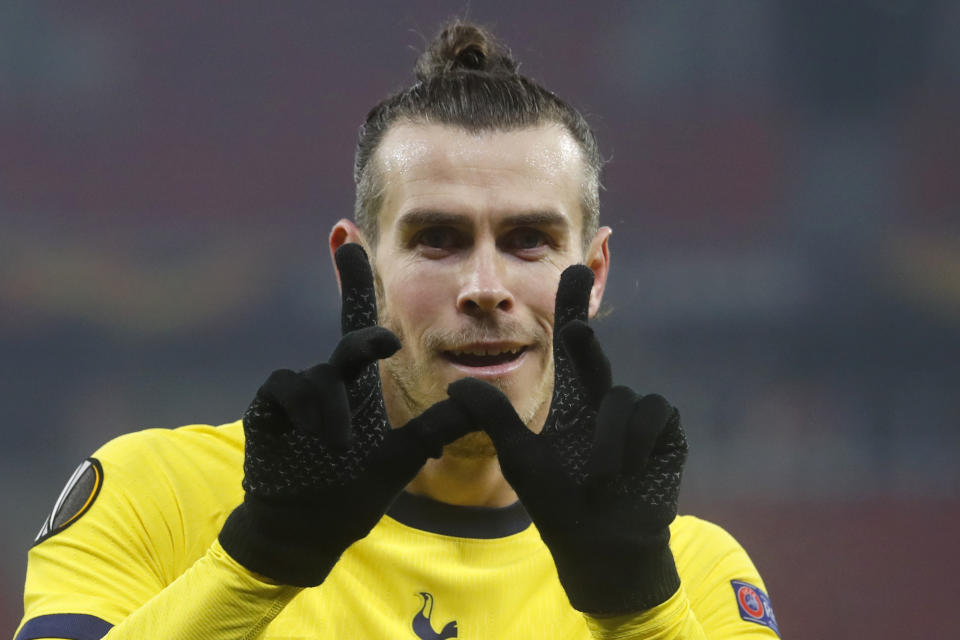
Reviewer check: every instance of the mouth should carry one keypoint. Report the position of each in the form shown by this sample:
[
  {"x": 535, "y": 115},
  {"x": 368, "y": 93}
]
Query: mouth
[{"x": 486, "y": 360}]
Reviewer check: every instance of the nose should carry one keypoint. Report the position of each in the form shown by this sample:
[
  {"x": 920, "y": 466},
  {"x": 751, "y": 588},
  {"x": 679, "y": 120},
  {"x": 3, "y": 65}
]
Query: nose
[{"x": 484, "y": 288}]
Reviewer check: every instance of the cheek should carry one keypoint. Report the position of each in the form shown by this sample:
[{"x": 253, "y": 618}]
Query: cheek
[
  {"x": 538, "y": 292},
  {"x": 413, "y": 299}
]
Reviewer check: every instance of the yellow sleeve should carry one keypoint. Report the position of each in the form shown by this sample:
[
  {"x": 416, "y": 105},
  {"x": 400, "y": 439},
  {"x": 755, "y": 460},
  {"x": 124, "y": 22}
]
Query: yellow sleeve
[
  {"x": 216, "y": 599},
  {"x": 726, "y": 592},
  {"x": 721, "y": 595},
  {"x": 142, "y": 561}
]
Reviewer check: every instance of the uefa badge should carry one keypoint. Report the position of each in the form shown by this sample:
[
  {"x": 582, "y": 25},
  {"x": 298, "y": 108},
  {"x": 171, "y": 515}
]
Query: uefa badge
[{"x": 754, "y": 605}]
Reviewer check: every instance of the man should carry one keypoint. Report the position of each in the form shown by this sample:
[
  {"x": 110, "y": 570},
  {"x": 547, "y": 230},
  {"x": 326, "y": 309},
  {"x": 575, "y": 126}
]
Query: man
[{"x": 380, "y": 489}]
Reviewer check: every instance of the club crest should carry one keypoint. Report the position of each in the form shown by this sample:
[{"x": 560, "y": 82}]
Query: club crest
[{"x": 423, "y": 627}]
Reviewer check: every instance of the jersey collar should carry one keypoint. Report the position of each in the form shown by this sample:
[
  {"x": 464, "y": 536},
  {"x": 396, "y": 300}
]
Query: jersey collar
[{"x": 426, "y": 514}]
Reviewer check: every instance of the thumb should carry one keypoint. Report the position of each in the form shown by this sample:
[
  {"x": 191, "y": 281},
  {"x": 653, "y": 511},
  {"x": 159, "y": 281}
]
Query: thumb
[{"x": 361, "y": 347}]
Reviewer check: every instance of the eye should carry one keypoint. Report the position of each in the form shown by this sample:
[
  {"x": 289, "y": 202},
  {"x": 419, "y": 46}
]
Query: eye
[
  {"x": 438, "y": 239},
  {"x": 526, "y": 240}
]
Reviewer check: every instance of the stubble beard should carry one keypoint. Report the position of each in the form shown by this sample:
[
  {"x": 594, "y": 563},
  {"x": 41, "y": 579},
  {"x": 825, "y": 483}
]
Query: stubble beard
[{"x": 417, "y": 390}]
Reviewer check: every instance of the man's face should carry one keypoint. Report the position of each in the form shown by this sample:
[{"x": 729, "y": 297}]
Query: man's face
[{"x": 475, "y": 230}]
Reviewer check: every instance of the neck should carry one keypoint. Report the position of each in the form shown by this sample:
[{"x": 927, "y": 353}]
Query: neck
[{"x": 463, "y": 481}]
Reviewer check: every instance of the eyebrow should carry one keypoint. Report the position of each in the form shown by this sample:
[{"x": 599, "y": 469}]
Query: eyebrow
[
  {"x": 429, "y": 217},
  {"x": 537, "y": 219}
]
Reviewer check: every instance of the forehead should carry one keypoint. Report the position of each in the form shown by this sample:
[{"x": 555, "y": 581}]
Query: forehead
[{"x": 447, "y": 168}]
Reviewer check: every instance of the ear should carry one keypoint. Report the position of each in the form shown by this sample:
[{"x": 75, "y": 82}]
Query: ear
[
  {"x": 345, "y": 231},
  {"x": 598, "y": 259}
]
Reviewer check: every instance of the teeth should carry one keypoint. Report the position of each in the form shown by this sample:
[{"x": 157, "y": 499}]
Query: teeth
[{"x": 485, "y": 352}]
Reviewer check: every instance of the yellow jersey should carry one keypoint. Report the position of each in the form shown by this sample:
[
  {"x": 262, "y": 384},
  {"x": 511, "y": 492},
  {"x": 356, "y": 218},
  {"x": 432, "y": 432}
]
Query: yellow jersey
[{"x": 131, "y": 551}]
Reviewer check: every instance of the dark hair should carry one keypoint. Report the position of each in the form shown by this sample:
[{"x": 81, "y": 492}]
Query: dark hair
[{"x": 468, "y": 79}]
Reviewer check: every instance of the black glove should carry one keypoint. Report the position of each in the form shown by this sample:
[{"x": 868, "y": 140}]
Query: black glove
[
  {"x": 601, "y": 480},
  {"x": 321, "y": 462}
]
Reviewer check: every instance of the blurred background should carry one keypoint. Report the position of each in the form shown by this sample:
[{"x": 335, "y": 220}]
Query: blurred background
[{"x": 782, "y": 183}]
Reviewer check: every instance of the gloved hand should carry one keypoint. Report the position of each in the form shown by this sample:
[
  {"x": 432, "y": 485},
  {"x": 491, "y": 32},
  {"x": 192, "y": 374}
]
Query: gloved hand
[
  {"x": 321, "y": 462},
  {"x": 601, "y": 480}
]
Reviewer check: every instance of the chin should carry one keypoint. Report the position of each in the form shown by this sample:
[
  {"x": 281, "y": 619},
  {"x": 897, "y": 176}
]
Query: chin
[{"x": 476, "y": 445}]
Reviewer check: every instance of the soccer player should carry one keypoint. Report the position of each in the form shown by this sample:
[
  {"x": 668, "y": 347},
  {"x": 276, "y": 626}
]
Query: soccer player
[{"x": 461, "y": 467}]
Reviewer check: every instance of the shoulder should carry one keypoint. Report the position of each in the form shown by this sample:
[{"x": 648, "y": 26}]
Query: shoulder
[
  {"x": 700, "y": 546},
  {"x": 152, "y": 455},
  {"x": 724, "y": 587},
  {"x": 154, "y": 466},
  {"x": 165, "y": 474},
  {"x": 690, "y": 533},
  {"x": 192, "y": 441},
  {"x": 132, "y": 518},
  {"x": 152, "y": 490},
  {"x": 195, "y": 464},
  {"x": 704, "y": 550},
  {"x": 709, "y": 558}
]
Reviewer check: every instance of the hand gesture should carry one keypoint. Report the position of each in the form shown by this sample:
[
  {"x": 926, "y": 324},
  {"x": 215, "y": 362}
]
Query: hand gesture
[
  {"x": 601, "y": 480},
  {"x": 321, "y": 461}
]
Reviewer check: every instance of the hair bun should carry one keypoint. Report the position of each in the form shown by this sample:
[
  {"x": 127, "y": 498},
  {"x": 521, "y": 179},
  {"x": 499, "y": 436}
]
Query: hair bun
[{"x": 464, "y": 47}]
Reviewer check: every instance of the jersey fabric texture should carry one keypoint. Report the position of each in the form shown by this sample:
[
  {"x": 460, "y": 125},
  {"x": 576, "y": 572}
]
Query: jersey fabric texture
[{"x": 144, "y": 561}]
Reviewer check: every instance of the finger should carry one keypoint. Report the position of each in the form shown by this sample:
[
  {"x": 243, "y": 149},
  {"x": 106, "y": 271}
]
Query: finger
[
  {"x": 587, "y": 360},
  {"x": 329, "y": 409},
  {"x": 573, "y": 295},
  {"x": 405, "y": 450},
  {"x": 314, "y": 402},
  {"x": 572, "y": 303},
  {"x": 438, "y": 426},
  {"x": 610, "y": 437},
  {"x": 489, "y": 409},
  {"x": 672, "y": 440},
  {"x": 361, "y": 347},
  {"x": 359, "y": 308},
  {"x": 647, "y": 424},
  {"x": 282, "y": 389}
]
